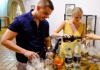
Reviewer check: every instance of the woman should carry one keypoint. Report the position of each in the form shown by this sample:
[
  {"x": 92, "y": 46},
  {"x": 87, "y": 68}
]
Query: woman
[{"x": 73, "y": 26}]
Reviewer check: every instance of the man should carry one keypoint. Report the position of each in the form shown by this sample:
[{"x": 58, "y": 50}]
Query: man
[{"x": 32, "y": 34}]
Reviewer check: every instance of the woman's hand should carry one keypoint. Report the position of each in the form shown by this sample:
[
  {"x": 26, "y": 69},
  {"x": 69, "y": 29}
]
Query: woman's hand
[
  {"x": 91, "y": 36},
  {"x": 83, "y": 40},
  {"x": 67, "y": 35}
]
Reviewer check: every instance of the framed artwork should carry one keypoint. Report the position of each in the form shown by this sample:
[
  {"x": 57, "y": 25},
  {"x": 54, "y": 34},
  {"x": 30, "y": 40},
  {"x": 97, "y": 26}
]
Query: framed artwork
[
  {"x": 68, "y": 8},
  {"x": 32, "y": 6}
]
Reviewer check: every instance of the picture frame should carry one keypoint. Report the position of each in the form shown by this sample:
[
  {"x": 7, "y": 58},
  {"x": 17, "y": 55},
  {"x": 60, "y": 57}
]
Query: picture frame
[
  {"x": 32, "y": 6},
  {"x": 68, "y": 8}
]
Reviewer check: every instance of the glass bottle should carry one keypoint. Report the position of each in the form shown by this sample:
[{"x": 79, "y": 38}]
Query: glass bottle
[
  {"x": 77, "y": 53},
  {"x": 68, "y": 57},
  {"x": 48, "y": 62},
  {"x": 72, "y": 38}
]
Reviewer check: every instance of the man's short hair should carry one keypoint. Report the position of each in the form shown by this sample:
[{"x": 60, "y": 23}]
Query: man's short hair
[{"x": 46, "y": 3}]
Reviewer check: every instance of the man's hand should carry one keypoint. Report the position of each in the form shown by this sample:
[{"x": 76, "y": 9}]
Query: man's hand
[
  {"x": 30, "y": 54},
  {"x": 49, "y": 55}
]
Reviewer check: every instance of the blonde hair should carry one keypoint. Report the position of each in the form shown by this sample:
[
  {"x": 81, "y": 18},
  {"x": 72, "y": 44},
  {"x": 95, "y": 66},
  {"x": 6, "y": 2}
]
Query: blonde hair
[{"x": 76, "y": 10}]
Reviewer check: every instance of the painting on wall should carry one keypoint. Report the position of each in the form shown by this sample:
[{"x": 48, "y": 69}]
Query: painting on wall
[
  {"x": 32, "y": 6},
  {"x": 68, "y": 8}
]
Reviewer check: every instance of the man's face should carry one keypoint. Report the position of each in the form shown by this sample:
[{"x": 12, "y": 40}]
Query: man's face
[{"x": 43, "y": 13}]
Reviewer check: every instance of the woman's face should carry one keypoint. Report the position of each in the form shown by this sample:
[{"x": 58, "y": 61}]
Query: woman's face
[{"x": 77, "y": 17}]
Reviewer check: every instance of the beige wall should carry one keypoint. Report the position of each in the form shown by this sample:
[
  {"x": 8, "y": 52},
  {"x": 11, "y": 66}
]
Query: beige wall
[{"x": 12, "y": 8}]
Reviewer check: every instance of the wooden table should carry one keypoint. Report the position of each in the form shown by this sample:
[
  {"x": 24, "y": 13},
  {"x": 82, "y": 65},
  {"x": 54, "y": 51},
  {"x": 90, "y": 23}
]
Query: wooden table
[{"x": 84, "y": 65}]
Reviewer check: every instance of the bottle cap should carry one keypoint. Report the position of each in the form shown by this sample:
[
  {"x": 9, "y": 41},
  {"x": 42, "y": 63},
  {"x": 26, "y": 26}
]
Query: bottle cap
[{"x": 66, "y": 40}]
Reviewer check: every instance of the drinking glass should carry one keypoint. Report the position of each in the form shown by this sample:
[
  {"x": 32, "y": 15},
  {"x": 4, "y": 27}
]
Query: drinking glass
[
  {"x": 98, "y": 63},
  {"x": 48, "y": 62},
  {"x": 58, "y": 60},
  {"x": 29, "y": 66}
]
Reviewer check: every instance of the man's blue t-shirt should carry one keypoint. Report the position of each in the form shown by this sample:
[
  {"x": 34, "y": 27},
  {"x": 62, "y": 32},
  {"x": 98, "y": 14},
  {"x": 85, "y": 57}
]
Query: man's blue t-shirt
[{"x": 29, "y": 36}]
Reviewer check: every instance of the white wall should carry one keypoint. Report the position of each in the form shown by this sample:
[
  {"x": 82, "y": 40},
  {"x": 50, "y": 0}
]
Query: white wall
[
  {"x": 3, "y": 8},
  {"x": 90, "y": 7}
]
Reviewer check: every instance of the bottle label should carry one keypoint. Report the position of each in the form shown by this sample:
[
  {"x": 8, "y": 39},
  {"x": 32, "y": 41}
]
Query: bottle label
[
  {"x": 68, "y": 59},
  {"x": 77, "y": 57}
]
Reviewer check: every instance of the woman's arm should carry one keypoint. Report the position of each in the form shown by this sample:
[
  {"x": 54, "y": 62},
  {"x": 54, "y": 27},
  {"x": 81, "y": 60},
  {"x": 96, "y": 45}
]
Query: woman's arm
[{"x": 58, "y": 29}]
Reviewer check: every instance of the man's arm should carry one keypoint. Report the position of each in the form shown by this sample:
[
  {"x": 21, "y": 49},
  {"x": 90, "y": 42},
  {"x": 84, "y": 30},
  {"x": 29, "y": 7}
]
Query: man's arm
[
  {"x": 48, "y": 42},
  {"x": 7, "y": 42}
]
